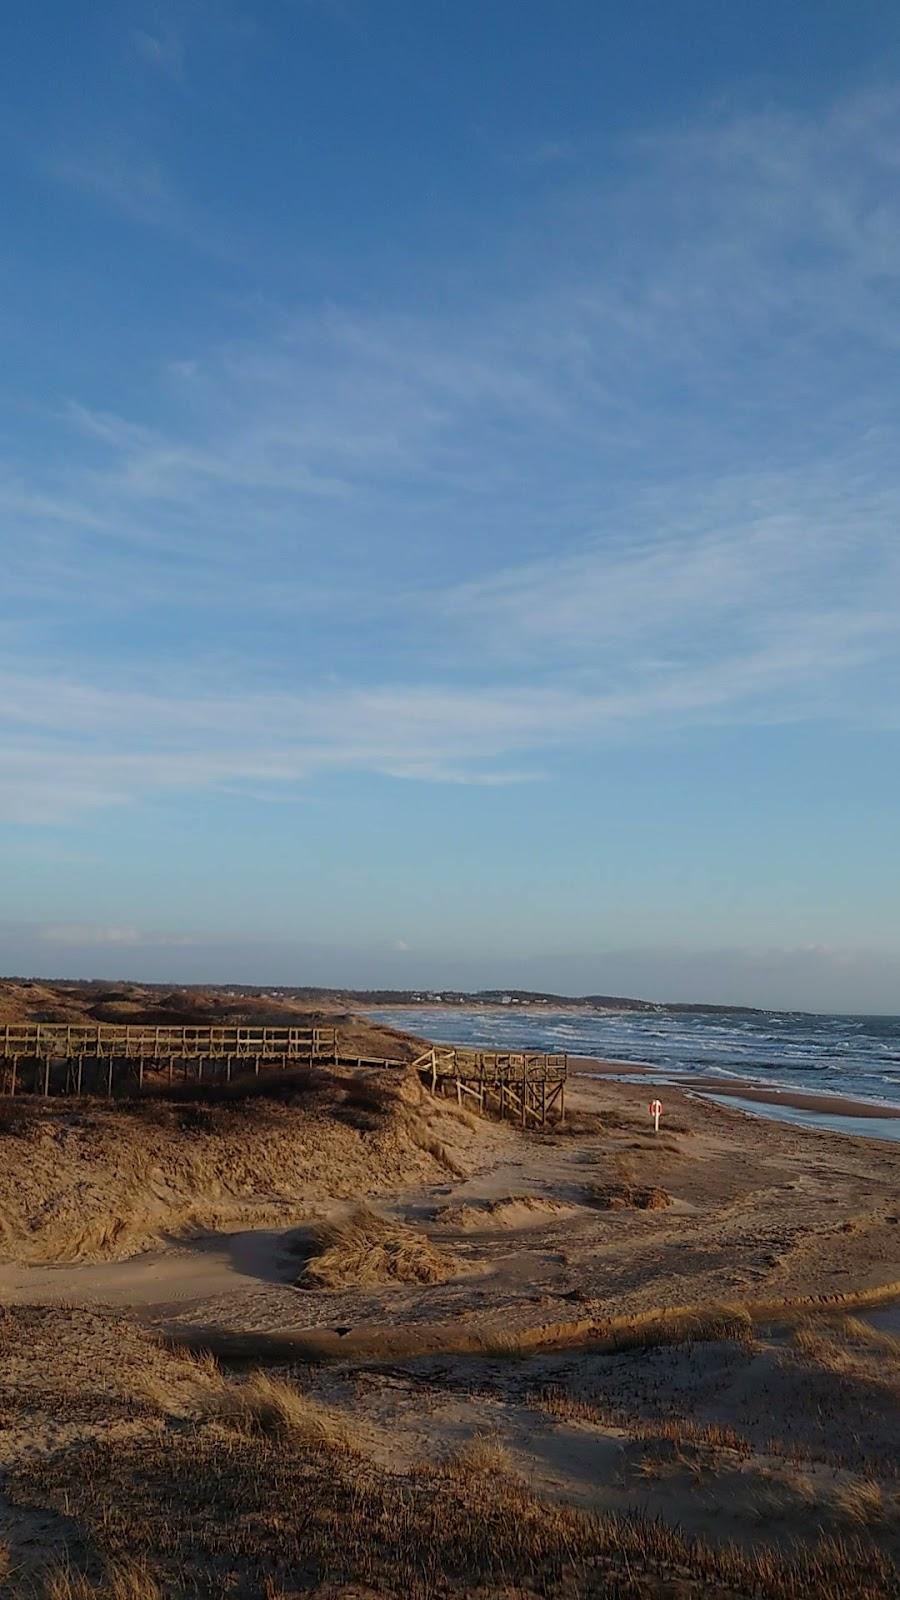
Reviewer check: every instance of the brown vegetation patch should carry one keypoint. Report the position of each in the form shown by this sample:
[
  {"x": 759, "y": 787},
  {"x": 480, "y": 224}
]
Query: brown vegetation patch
[
  {"x": 624, "y": 1196},
  {"x": 124, "y": 1581},
  {"x": 514, "y": 1211},
  {"x": 220, "y": 1511},
  {"x": 864, "y": 1502},
  {"x": 87, "y": 1181},
  {"x": 368, "y": 1248}
]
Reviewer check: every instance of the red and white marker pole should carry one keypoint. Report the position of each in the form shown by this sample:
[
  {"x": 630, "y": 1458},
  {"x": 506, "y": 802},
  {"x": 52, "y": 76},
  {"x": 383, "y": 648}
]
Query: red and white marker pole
[{"x": 655, "y": 1109}]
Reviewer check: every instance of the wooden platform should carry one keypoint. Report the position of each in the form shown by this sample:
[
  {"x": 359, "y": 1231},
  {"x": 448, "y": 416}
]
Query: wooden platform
[
  {"x": 527, "y": 1087},
  {"x": 79, "y": 1058}
]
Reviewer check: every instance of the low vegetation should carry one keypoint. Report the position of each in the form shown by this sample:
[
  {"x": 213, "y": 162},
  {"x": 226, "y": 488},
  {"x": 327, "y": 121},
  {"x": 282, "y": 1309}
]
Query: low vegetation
[
  {"x": 249, "y": 1512},
  {"x": 511, "y": 1211},
  {"x": 123, "y": 1581},
  {"x": 368, "y": 1248},
  {"x": 623, "y": 1195}
]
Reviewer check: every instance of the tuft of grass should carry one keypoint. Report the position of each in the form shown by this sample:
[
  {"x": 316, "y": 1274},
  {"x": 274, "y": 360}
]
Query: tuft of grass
[
  {"x": 783, "y": 1491},
  {"x": 178, "y": 1389},
  {"x": 624, "y": 1195},
  {"x": 365, "y": 1248},
  {"x": 505, "y": 1346},
  {"x": 482, "y": 1456},
  {"x": 125, "y": 1581},
  {"x": 506, "y": 1212},
  {"x": 864, "y": 1502},
  {"x": 274, "y": 1407},
  {"x": 261, "y": 1403}
]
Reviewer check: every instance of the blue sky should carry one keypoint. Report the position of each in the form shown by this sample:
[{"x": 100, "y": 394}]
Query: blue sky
[{"x": 449, "y": 492}]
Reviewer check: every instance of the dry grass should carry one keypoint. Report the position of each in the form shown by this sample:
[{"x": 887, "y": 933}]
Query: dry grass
[
  {"x": 862, "y": 1333},
  {"x": 512, "y": 1211},
  {"x": 482, "y": 1456},
  {"x": 260, "y": 1403},
  {"x": 178, "y": 1389},
  {"x": 589, "y": 1333},
  {"x": 367, "y": 1248},
  {"x": 275, "y": 1407},
  {"x": 124, "y": 1581},
  {"x": 75, "y": 1187},
  {"x": 850, "y": 1350},
  {"x": 783, "y": 1491},
  {"x": 215, "y": 1512},
  {"x": 864, "y": 1502},
  {"x": 624, "y": 1195},
  {"x": 680, "y": 1431}
]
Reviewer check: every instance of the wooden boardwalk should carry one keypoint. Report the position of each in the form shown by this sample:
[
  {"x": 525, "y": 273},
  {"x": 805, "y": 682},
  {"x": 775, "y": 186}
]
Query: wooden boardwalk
[
  {"x": 526, "y": 1086},
  {"x": 108, "y": 1058}
]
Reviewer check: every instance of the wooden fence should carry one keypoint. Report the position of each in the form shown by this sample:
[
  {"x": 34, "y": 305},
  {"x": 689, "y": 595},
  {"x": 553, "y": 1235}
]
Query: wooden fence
[
  {"x": 523, "y": 1085},
  {"x": 108, "y": 1058}
]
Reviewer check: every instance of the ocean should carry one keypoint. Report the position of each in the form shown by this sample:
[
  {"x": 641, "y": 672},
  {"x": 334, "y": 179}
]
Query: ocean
[{"x": 858, "y": 1056}]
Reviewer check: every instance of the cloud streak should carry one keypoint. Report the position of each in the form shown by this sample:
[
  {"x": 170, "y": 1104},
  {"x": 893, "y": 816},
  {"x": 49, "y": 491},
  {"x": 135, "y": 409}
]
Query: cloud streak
[{"x": 629, "y": 496}]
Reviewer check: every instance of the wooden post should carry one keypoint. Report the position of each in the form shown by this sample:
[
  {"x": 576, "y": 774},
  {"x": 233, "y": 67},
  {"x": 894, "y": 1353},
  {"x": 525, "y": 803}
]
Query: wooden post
[
  {"x": 109, "y": 1078},
  {"x": 12, "y": 1086},
  {"x": 46, "y": 1076},
  {"x": 140, "y": 1074},
  {"x": 80, "y": 1075}
]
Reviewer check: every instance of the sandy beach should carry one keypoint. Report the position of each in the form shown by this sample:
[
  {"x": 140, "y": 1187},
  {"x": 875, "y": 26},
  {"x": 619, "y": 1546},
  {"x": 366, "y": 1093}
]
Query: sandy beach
[
  {"x": 837, "y": 1105},
  {"x": 606, "y": 1320}
]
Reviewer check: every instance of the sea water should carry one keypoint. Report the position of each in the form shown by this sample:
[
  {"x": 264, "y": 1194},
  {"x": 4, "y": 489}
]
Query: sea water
[{"x": 849, "y": 1055}]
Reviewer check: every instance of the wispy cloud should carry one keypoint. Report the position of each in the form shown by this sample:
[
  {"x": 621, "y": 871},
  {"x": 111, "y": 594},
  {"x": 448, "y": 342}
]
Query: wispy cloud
[
  {"x": 162, "y": 47},
  {"x": 652, "y": 486}
]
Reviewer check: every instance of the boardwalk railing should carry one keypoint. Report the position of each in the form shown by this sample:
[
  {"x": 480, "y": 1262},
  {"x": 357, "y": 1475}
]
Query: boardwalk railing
[
  {"x": 525, "y": 1085},
  {"x": 80, "y": 1058}
]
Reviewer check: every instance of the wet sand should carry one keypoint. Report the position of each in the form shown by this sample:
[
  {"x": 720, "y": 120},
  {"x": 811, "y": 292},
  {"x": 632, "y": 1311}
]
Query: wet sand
[{"x": 837, "y": 1105}]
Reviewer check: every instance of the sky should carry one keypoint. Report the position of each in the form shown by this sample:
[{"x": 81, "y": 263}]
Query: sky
[{"x": 450, "y": 495}]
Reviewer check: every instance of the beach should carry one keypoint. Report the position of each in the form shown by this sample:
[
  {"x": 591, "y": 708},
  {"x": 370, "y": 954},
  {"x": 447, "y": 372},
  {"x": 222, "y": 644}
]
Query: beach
[
  {"x": 814, "y": 1109},
  {"x": 670, "y": 1326}
]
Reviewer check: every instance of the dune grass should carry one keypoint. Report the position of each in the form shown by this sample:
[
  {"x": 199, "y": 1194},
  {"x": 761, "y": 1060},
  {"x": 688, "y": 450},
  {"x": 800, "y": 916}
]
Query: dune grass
[
  {"x": 262, "y": 1402},
  {"x": 621, "y": 1195},
  {"x": 509, "y": 1211},
  {"x": 865, "y": 1503},
  {"x": 124, "y": 1581},
  {"x": 250, "y": 1512},
  {"x": 367, "y": 1248},
  {"x": 483, "y": 1456},
  {"x": 590, "y": 1332}
]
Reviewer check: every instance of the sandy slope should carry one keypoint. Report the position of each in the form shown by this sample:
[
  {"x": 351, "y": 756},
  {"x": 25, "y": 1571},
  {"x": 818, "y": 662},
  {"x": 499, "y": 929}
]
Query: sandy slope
[
  {"x": 92, "y": 1183},
  {"x": 754, "y": 1436}
]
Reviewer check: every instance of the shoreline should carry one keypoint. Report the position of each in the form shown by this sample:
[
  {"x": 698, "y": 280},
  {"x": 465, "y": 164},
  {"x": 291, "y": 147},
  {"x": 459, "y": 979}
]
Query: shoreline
[{"x": 819, "y": 1102}]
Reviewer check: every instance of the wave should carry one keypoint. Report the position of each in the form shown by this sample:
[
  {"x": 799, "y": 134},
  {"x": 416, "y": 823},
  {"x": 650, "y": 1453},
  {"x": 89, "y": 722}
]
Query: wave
[{"x": 832, "y": 1054}]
